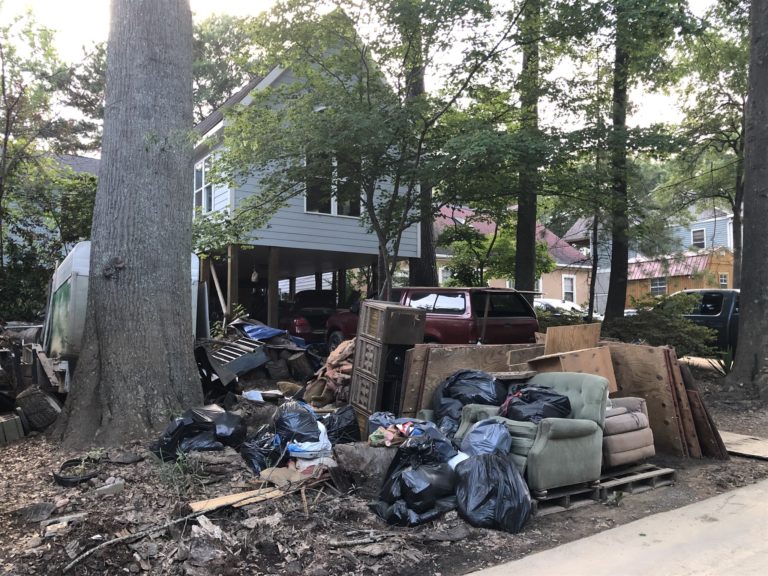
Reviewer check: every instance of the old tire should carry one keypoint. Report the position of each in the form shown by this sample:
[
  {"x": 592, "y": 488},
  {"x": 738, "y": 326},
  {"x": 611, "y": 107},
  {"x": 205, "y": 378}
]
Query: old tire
[
  {"x": 334, "y": 339},
  {"x": 40, "y": 408}
]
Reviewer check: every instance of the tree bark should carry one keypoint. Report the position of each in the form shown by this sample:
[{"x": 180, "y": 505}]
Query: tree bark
[
  {"x": 422, "y": 271},
  {"x": 525, "y": 239},
  {"x": 751, "y": 361},
  {"x": 617, "y": 284},
  {"x": 738, "y": 203},
  {"x": 136, "y": 369}
]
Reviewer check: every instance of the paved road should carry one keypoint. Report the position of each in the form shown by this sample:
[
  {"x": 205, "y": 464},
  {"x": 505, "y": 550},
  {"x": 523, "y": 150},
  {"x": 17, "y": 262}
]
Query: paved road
[{"x": 725, "y": 535}]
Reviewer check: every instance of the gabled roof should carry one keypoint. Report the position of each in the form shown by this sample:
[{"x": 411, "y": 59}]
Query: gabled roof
[
  {"x": 580, "y": 230},
  {"x": 80, "y": 164},
  {"x": 685, "y": 264},
  {"x": 563, "y": 253},
  {"x": 205, "y": 125}
]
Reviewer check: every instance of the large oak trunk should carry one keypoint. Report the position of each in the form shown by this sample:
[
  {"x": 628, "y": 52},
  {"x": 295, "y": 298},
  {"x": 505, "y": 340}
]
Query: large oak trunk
[
  {"x": 617, "y": 283},
  {"x": 136, "y": 368},
  {"x": 751, "y": 362}
]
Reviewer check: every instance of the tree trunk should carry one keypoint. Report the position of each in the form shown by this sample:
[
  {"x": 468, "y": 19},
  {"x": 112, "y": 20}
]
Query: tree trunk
[
  {"x": 751, "y": 361},
  {"x": 136, "y": 369},
  {"x": 525, "y": 239},
  {"x": 423, "y": 271},
  {"x": 736, "y": 229},
  {"x": 617, "y": 284}
]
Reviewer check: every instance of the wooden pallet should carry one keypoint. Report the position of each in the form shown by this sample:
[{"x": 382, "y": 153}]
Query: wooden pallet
[
  {"x": 565, "y": 498},
  {"x": 635, "y": 479}
]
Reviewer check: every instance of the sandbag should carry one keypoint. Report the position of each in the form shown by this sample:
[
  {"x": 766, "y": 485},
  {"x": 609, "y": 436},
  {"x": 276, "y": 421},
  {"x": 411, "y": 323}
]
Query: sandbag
[
  {"x": 487, "y": 437},
  {"x": 532, "y": 404},
  {"x": 341, "y": 426},
  {"x": 491, "y": 493},
  {"x": 296, "y": 422}
]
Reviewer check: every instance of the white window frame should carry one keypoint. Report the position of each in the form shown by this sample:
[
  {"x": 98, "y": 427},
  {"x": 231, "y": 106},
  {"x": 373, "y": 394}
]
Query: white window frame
[
  {"x": 572, "y": 278},
  {"x": 206, "y": 203},
  {"x": 703, "y": 236},
  {"x": 334, "y": 200},
  {"x": 651, "y": 286},
  {"x": 723, "y": 276}
]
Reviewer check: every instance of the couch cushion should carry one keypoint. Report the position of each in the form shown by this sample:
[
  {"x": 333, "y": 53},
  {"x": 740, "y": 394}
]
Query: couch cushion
[
  {"x": 623, "y": 423},
  {"x": 628, "y": 441}
]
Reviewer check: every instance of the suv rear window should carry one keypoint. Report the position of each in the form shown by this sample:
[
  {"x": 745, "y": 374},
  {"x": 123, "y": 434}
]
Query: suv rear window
[
  {"x": 711, "y": 304},
  {"x": 503, "y": 304},
  {"x": 439, "y": 302}
]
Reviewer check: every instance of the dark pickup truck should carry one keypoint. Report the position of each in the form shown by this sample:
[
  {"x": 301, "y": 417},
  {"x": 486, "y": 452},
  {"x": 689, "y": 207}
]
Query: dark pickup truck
[
  {"x": 718, "y": 309},
  {"x": 456, "y": 316}
]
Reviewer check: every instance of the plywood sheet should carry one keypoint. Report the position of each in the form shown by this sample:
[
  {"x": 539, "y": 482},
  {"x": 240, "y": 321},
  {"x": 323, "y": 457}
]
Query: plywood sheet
[
  {"x": 568, "y": 338},
  {"x": 709, "y": 438},
  {"x": 743, "y": 445},
  {"x": 413, "y": 379},
  {"x": 641, "y": 371},
  {"x": 590, "y": 361},
  {"x": 445, "y": 359},
  {"x": 683, "y": 406}
]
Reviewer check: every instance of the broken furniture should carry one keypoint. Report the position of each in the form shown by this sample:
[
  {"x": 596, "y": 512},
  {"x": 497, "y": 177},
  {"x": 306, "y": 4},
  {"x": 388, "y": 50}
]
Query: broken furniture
[
  {"x": 627, "y": 435},
  {"x": 385, "y": 332},
  {"x": 557, "y": 451}
]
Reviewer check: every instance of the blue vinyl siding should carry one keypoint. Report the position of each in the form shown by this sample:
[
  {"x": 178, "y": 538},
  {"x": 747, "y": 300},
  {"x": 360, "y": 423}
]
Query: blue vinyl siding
[{"x": 715, "y": 233}]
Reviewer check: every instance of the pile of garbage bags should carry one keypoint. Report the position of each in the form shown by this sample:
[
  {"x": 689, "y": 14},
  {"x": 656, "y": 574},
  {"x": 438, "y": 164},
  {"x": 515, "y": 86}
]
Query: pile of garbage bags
[
  {"x": 429, "y": 477},
  {"x": 295, "y": 432},
  {"x": 532, "y": 404},
  {"x": 462, "y": 388}
]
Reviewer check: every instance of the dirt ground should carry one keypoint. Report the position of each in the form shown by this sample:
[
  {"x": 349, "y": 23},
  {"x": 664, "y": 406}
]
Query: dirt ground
[{"x": 319, "y": 534}]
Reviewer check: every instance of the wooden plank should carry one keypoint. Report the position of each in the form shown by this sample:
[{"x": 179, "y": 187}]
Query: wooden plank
[
  {"x": 710, "y": 447},
  {"x": 445, "y": 359},
  {"x": 683, "y": 407},
  {"x": 568, "y": 338},
  {"x": 641, "y": 371},
  {"x": 743, "y": 445},
  {"x": 231, "y": 499},
  {"x": 413, "y": 379},
  {"x": 590, "y": 361},
  {"x": 47, "y": 365}
]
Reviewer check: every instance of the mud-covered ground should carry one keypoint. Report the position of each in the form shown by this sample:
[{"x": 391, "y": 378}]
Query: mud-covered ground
[{"x": 318, "y": 533}]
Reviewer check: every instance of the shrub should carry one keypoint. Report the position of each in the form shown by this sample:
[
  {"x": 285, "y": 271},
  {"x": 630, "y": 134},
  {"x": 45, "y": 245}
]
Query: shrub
[{"x": 661, "y": 322}]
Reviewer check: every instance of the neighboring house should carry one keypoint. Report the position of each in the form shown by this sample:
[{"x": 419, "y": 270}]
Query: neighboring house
[
  {"x": 709, "y": 268},
  {"x": 579, "y": 236},
  {"x": 569, "y": 281},
  {"x": 307, "y": 238},
  {"x": 708, "y": 229}
]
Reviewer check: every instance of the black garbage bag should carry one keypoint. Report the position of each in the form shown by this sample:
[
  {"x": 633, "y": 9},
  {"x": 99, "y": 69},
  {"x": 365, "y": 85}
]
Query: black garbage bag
[
  {"x": 261, "y": 451},
  {"x": 230, "y": 428},
  {"x": 487, "y": 437},
  {"x": 491, "y": 493},
  {"x": 295, "y": 421},
  {"x": 341, "y": 426},
  {"x": 422, "y": 487},
  {"x": 532, "y": 404},
  {"x": 399, "y": 514},
  {"x": 444, "y": 449},
  {"x": 414, "y": 452},
  {"x": 206, "y": 428},
  {"x": 461, "y": 388}
]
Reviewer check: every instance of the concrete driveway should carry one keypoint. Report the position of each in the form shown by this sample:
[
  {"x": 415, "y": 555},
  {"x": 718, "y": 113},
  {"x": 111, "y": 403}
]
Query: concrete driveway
[{"x": 725, "y": 535}]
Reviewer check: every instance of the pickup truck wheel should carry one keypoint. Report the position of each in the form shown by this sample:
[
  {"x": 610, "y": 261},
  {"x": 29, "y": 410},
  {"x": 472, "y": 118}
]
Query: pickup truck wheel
[{"x": 334, "y": 339}]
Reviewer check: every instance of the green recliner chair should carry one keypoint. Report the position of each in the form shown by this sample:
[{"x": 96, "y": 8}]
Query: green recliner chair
[{"x": 558, "y": 451}]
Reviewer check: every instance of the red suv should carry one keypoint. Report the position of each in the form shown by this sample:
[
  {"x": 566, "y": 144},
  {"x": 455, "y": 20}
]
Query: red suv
[{"x": 456, "y": 316}]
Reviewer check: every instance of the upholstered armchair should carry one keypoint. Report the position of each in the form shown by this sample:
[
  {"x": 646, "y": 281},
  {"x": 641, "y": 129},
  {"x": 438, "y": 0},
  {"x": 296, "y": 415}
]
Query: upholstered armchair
[
  {"x": 556, "y": 452},
  {"x": 627, "y": 436}
]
